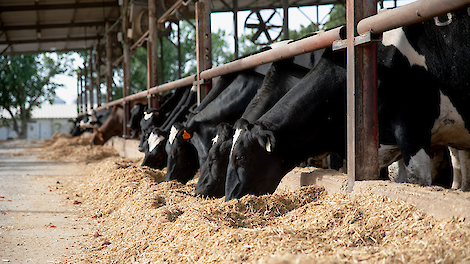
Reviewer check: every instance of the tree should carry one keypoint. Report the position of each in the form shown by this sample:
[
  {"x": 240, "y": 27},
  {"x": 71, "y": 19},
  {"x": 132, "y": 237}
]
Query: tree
[
  {"x": 26, "y": 82},
  {"x": 337, "y": 16}
]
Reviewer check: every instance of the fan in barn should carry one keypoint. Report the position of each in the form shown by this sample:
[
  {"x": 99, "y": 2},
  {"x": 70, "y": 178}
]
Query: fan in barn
[{"x": 265, "y": 25}]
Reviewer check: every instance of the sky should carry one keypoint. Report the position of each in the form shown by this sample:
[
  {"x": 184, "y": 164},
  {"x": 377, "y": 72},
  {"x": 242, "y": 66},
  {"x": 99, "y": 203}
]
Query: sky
[{"x": 297, "y": 17}]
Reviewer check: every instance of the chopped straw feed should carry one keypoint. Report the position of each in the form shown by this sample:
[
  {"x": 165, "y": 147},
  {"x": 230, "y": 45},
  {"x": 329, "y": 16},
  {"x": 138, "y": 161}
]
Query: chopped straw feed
[{"x": 138, "y": 218}]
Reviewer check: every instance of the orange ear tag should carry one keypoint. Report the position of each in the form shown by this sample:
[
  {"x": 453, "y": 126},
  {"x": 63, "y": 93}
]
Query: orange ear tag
[{"x": 186, "y": 135}]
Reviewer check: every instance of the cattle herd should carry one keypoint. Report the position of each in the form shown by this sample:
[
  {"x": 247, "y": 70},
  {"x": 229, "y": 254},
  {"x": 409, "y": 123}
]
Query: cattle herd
[{"x": 256, "y": 125}]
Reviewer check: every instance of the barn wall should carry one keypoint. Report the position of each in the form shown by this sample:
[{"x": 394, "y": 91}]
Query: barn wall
[{"x": 40, "y": 128}]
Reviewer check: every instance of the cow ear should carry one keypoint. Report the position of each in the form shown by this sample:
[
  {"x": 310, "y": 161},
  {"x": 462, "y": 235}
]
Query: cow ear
[{"x": 267, "y": 140}]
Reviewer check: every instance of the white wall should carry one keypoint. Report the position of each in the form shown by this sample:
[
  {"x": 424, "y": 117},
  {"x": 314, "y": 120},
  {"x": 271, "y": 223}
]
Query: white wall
[{"x": 40, "y": 128}]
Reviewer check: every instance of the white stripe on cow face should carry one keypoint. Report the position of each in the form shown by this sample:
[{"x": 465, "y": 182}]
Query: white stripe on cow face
[
  {"x": 397, "y": 38},
  {"x": 215, "y": 139},
  {"x": 154, "y": 140},
  {"x": 235, "y": 138},
  {"x": 173, "y": 133},
  {"x": 449, "y": 127},
  {"x": 419, "y": 169},
  {"x": 147, "y": 116}
]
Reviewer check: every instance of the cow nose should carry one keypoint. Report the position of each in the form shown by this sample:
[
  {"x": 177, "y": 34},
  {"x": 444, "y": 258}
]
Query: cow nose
[{"x": 141, "y": 149}]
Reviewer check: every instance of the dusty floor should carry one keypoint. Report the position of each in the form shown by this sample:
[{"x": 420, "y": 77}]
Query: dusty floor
[
  {"x": 38, "y": 220},
  {"x": 125, "y": 214}
]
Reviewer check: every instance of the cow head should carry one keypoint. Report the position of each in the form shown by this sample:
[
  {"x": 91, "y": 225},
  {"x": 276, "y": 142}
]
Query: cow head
[
  {"x": 211, "y": 181},
  {"x": 97, "y": 138},
  {"x": 147, "y": 124},
  {"x": 182, "y": 161},
  {"x": 155, "y": 155},
  {"x": 254, "y": 167},
  {"x": 136, "y": 115}
]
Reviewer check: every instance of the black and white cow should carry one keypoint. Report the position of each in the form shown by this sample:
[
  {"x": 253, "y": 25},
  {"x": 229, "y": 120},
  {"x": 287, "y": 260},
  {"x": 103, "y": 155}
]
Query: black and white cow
[
  {"x": 136, "y": 115},
  {"x": 280, "y": 78},
  {"x": 154, "y": 117},
  {"x": 77, "y": 127},
  {"x": 423, "y": 89},
  {"x": 226, "y": 106},
  {"x": 155, "y": 155}
]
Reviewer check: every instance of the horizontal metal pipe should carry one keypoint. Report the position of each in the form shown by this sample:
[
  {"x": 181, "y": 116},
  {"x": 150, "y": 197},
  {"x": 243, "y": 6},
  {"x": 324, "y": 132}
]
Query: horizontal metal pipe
[
  {"x": 157, "y": 89},
  {"x": 408, "y": 14},
  {"x": 316, "y": 42}
]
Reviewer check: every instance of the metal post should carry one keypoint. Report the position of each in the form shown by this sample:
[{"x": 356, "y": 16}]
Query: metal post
[
  {"x": 98, "y": 75},
  {"x": 362, "y": 116},
  {"x": 84, "y": 86},
  {"x": 127, "y": 64},
  {"x": 91, "y": 87},
  {"x": 109, "y": 65},
  {"x": 285, "y": 24},
  {"x": 179, "y": 50},
  {"x": 78, "y": 92},
  {"x": 203, "y": 44},
  {"x": 235, "y": 27},
  {"x": 162, "y": 66},
  {"x": 152, "y": 51}
]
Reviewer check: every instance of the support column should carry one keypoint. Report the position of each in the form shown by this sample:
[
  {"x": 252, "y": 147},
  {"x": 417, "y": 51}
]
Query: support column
[
  {"x": 235, "y": 28},
  {"x": 98, "y": 75},
  {"x": 91, "y": 86},
  {"x": 109, "y": 65},
  {"x": 362, "y": 106},
  {"x": 285, "y": 23},
  {"x": 126, "y": 65},
  {"x": 203, "y": 44},
  {"x": 84, "y": 87},
  {"x": 152, "y": 52},
  {"x": 79, "y": 96}
]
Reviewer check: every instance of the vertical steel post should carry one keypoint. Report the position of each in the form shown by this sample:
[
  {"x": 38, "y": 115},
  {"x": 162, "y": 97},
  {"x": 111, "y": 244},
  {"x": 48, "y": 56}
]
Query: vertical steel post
[
  {"x": 127, "y": 64},
  {"x": 79, "y": 105},
  {"x": 85, "y": 89},
  {"x": 235, "y": 27},
  {"x": 152, "y": 52},
  {"x": 109, "y": 65},
  {"x": 285, "y": 24},
  {"x": 203, "y": 44},
  {"x": 91, "y": 86},
  {"x": 98, "y": 74},
  {"x": 362, "y": 113}
]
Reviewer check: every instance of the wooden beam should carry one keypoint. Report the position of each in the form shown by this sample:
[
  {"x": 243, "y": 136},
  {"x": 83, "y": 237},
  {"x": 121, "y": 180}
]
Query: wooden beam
[{"x": 58, "y": 6}]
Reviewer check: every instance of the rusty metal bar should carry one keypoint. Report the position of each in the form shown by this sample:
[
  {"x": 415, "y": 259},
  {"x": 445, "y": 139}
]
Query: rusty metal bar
[
  {"x": 408, "y": 14},
  {"x": 320, "y": 41},
  {"x": 203, "y": 45},
  {"x": 91, "y": 87},
  {"x": 133, "y": 47},
  {"x": 109, "y": 66},
  {"x": 152, "y": 53},
  {"x": 362, "y": 118},
  {"x": 316, "y": 42},
  {"x": 170, "y": 12},
  {"x": 158, "y": 89}
]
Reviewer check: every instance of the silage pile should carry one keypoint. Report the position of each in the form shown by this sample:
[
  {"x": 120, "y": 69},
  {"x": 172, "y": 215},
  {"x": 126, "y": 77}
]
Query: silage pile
[
  {"x": 139, "y": 219},
  {"x": 63, "y": 147}
]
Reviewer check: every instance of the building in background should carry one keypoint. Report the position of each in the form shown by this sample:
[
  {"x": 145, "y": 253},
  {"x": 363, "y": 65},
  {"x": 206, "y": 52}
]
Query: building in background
[{"x": 45, "y": 121}]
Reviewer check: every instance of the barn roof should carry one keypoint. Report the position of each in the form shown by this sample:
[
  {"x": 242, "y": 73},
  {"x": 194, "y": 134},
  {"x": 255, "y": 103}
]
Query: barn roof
[{"x": 34, "y": 26}]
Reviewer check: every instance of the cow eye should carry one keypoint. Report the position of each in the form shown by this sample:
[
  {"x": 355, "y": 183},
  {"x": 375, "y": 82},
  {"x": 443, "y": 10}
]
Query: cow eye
[{"x": 239, "y": 159}]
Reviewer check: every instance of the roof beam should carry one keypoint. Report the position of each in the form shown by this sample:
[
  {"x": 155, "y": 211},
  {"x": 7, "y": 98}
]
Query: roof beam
[
  {"x": 65, "y": 39},
  {"x": 58, "y": 6},
  {"x": 47, "y": 26}
]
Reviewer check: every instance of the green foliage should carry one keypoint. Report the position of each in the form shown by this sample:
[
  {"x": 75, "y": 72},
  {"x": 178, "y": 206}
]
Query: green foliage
[
  {"x": 337, "y": 16},
  {"x": 26, "y": 82}
]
